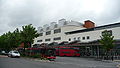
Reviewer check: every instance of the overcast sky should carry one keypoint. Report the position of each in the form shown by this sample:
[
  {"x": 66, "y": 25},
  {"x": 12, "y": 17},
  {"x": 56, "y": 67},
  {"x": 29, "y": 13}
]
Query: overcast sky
[{"x": 16, "y": 13}]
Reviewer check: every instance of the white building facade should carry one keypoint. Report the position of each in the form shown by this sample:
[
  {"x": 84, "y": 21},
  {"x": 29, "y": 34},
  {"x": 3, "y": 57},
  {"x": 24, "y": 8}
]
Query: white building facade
[{"x": 71, "y": 31}]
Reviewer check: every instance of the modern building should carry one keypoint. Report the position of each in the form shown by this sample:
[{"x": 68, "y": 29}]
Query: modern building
[
  {"x": 83, "y": 35},
  {"x": 71, "y": 31}
]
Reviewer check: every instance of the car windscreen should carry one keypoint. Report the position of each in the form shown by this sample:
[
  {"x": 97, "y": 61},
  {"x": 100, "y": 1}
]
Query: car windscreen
[{"x": 15, "y": 52}]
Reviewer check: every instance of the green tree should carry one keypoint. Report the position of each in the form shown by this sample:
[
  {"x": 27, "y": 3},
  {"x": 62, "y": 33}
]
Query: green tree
[
  {"x": 17, "y": 37},
  {"x": 11, "y": 40},
  {"x": 107, "y": 40},
  {"x": 5, "y": 41},
  {"x": 28, "y": 34}
]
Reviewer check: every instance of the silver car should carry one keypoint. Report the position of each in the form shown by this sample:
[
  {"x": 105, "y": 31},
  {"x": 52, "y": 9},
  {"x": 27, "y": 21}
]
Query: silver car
[{"x": 14, "y": 54}]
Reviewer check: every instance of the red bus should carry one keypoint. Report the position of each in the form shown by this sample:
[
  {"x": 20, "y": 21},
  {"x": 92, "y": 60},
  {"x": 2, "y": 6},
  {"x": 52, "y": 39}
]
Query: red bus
[
  {"x": 48, "y": 53},
  {"x": 57, "y": 51},
  {"x": 67, "y": 51}
]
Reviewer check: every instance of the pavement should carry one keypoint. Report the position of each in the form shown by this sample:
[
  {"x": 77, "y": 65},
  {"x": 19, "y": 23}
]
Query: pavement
[
  {"x": 3, "y": 56},
  {"x": 65, "y": 62}
]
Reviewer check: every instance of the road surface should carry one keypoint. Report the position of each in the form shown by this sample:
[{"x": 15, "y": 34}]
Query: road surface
[{"x": 61, "y": 62}]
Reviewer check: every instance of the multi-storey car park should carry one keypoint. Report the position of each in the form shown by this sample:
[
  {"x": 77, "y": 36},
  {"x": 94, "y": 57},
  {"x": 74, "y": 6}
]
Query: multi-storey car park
[{"x": 85, "y": 34}]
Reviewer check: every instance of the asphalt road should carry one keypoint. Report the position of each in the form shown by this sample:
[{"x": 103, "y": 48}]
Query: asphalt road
[{"x": 61, "y": 62}]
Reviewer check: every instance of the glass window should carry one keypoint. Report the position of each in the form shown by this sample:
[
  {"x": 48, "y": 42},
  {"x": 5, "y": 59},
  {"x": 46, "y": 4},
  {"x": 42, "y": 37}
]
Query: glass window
[
  {"x": 57, "y": 31},
  {"x": 15, "y": 51},
  {"x": 47, "y": 39},
  {"x": 47, "y": 28},
  {"x": 88, "y": 37},
  {"x": 78, "y": 38},
  {"x": 39, "y": 40},
  {"x": 83, "y": 38},
  {"x": 69, "y": 39},
  {"x": 48, "y": 32},
  {"x": 55, "y": 26},
  {"x": 41, "y": 30},
  {"x": 65, "y": 23},
  {"x": 66, "y": 52},
  {"x": 108, "y": 31},
  {"x": 74, "y": 39},
  {"x": 41, "y": 34},
  {"x": 57, "y": 38}
]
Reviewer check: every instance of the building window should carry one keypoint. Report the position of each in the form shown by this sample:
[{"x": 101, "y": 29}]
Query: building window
[
  {"x": 55, "y": 26},
  {"x": 39, "y": 40},
  {"x": 41, "y": 34},
  {"x": 83, "y": 38},
  {"x": 108, "y": 31},
  {"x": 57, "y": 38},
  {"x": 41, "y": 30},
  {"x": 69, "y": 39},
  {"x": 88, "y": 37},
  {"x": 57, "y": 31},
  {"x": 47, "y": 39},
  {"x": 48, "y": 32},
  {"x": 78, "y": 38},
  {"x": 74, "y": 39},
  {"x": 65, "y": 23},
  {"x": 47, "y": 28}
]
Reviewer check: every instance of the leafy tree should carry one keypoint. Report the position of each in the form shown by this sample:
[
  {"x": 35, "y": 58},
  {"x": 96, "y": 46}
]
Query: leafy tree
[
  {"x": 11, "y": 40},
  {"x": 17, "y": 37},
  {"x": 107, "y": 40},
  {"x": 2, "y": 41},
  {"x": 28, "y": 34},
  {"x": 5, "y": 41}
]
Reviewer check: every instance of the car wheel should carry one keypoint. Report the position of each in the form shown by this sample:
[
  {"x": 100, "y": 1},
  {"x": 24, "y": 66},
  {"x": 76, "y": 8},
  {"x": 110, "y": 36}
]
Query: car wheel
[
  {"x": 18, "y": 56},
  {"x": 11, "y": 56}
]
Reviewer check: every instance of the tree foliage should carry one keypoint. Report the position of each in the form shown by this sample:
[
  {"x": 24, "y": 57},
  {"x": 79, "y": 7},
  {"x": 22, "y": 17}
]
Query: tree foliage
[
  {"x": 11, "y": 40},
  {"x": 107, "y": 40},
  {"x": 28, "y": 34}
]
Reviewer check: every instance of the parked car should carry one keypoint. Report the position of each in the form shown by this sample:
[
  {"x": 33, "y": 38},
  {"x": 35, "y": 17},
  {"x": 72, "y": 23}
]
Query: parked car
[
  {"x": 3, "y": 52},
  {"x": 14, "y": 54}
]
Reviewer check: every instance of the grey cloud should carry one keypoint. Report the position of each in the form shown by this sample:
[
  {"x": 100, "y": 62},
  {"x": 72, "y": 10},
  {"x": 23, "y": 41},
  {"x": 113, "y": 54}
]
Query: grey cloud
[
  {"x": 111, "y": 13},
  {"x": 16, "y": 13}
]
